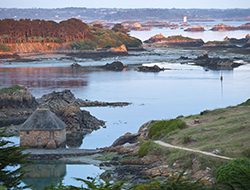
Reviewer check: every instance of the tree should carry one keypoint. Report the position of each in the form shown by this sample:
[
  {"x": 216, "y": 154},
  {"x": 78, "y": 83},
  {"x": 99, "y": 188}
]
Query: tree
[
  {"x": 10, "y": 156},
  {"x": 120, "y": 28}
]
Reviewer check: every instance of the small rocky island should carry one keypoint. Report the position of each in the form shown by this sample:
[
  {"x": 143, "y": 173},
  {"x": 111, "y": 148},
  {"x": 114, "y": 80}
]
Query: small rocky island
[
  {"x": 195, "y": 29},
  {"x": 160, "y": 41}
]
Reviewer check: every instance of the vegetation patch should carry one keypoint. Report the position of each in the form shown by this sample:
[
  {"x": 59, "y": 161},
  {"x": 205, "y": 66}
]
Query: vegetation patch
[
  {"x": 10, "y": 90},
  {"x": 4, "y": 48},
  {"x": 150, "y": 147},
  {"x": 178, "y": 38},
  {"x": 236, "y": 174},
  {"x": 161, "y": 128},
  {"x": 106, "y": 156}
]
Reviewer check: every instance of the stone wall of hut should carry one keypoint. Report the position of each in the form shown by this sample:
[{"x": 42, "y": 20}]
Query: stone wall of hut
[{"x": 40, "y": 138}]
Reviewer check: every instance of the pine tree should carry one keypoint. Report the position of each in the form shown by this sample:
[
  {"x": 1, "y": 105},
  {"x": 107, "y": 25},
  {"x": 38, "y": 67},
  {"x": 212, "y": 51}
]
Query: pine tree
[{"x": 11, "y": 155}]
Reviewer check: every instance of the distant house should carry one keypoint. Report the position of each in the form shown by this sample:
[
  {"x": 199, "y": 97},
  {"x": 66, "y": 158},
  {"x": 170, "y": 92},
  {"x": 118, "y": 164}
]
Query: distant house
[{"x": 43, "y": 129}]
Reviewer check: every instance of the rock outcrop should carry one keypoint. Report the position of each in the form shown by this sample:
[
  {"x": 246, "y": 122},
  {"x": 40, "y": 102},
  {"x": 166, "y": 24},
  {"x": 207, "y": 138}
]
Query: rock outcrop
[
  {"x": 156, "y": 38},
  {"x": 155, "y": 68},
  {"x": 223, "y": 27},
  {"x": 216, "y": 63},
  {"x": 17, "y": 97},
  {"x": 55, "y": 100},
  {"x": 114, "y": 66},
  {"x": 121, "y": 49},
  {"x": 38, "y": 47},
  {"x": 78, "y": 120},
  {"x": 16, "y": 101},
  {"x": 127, "y": 138},
  {"x": 236, "y": 41},
  {"x": 195, "y": 29},
  {"x": 160, "y": 41}
]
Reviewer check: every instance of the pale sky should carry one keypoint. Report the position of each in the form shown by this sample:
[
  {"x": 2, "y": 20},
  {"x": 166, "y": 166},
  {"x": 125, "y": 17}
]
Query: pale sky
[{"x": 221, "y": 4}]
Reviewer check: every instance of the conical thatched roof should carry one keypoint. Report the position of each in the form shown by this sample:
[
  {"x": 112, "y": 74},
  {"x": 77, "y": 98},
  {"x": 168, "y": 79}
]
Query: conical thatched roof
[{"x": 43, "y": 119}]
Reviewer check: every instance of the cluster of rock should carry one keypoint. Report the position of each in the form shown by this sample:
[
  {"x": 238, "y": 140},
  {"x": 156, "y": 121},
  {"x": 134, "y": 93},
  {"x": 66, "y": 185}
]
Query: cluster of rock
[
  {"x": 16, "y": 107},
  {"x": 160, "y": 41},
  {"x": 224, "y": 27},
  {"x": 216, "y": 63}
]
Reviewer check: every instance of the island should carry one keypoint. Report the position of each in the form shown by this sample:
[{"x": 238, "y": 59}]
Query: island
[{"x": 26, "y": 36}]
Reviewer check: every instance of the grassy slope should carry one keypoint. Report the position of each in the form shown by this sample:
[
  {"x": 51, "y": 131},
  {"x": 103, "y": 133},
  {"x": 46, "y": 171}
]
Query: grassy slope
[{"x": 227, "y": 129}]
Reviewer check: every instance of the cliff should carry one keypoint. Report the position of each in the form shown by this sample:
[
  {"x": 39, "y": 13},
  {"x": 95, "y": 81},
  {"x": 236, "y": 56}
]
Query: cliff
[{"x": 38, "y": 47}]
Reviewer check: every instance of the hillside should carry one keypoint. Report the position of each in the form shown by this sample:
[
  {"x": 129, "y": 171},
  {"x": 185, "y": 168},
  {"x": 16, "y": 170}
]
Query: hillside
[
  {"x": 117, "y": 14},
  {"x": 199, "y": 143}
]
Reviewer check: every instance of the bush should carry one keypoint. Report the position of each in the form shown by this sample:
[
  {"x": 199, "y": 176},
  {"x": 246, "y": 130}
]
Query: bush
[
  {"x": 185, "y": 138},
  {"x": 150, "y": 147},
  {"x": 246, "y": 152},
  {"x": 4, "y": 48},
  {"x": 161, "y": 128},
  {"x": 236, "y": 174},
  {"x": 10, "y": 90}
]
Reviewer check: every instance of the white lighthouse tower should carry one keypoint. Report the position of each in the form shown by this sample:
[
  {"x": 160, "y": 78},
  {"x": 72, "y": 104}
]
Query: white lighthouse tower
[{"x": 185, "y": 19}]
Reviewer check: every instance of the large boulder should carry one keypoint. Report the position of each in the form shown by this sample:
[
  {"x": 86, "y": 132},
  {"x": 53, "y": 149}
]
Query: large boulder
[{"x": 127, "y": 138}]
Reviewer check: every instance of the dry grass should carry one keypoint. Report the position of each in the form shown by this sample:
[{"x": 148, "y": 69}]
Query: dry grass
[{"x": 227, "y": 130}]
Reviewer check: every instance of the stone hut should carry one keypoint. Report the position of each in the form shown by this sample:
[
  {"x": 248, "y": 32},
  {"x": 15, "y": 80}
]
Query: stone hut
[{"x": 43, "y": 129}]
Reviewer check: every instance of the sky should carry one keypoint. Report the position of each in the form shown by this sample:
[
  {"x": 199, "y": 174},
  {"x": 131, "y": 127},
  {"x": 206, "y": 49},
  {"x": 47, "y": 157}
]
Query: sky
[{"x": 221, "y": 4}]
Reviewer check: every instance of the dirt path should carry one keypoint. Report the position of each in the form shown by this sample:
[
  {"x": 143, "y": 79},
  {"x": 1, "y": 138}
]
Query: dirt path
[{"x": 191, "y": 150}]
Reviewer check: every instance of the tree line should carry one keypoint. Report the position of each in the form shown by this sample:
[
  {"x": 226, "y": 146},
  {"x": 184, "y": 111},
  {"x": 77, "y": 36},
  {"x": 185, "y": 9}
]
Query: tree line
[
  {"x": 78, "y": 34},
  {"x": 26, "y": 30}
]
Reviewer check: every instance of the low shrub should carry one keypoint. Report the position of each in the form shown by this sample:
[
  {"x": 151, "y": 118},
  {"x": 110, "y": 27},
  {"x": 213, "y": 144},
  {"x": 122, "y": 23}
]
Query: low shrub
[
  {"x": 161, "y": 128},
  {"x": 10, "y": 90},
  {"x": 185, "y": 138},
  {"x": 4, "y": 48},
  {"x": 246, "y": 152},
  {"x": 235, "y": 175},
  {"x": 150, "y": 147}
]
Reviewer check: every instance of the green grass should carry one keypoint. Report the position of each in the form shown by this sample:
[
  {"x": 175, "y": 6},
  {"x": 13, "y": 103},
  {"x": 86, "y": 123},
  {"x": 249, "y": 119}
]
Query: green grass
[
  {"x": 10, "y": 90},
  {"x": 161, "y": 128}
]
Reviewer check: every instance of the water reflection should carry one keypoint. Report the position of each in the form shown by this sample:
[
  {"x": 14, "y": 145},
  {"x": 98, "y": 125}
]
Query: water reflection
[
  {"x": 42, "y": 174},
  {"x": 45, "y": 77}
]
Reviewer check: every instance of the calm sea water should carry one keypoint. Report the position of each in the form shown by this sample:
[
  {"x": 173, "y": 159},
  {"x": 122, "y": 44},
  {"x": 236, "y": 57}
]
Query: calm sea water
[{"x": 185, "y": 89}]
